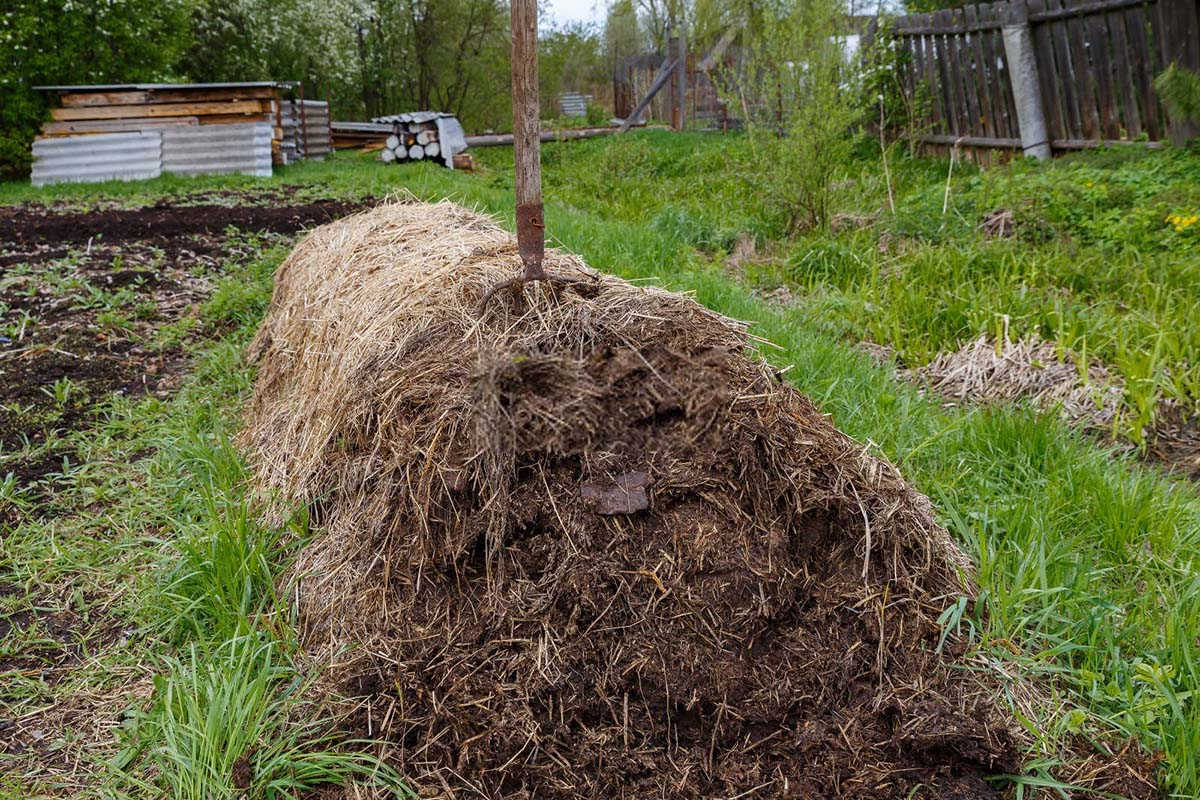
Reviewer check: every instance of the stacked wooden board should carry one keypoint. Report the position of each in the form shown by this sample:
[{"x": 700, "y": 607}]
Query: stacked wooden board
[
  {"x": 367, "y": 135},
  {"x": 204, "y": 128}
]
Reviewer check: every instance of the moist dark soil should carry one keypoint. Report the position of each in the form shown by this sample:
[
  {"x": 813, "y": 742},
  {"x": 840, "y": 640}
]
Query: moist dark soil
[
  {"x": 162, "y": 223},
  {"x": 82, "y": 296}
]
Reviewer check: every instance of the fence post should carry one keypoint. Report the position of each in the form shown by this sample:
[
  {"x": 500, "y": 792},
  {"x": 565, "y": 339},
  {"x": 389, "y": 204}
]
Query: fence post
[{"x": 1023, "y": 74}]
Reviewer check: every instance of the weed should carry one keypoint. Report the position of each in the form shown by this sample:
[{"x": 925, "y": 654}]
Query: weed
[
  {"x": 62, "y": 391},
  {"x": 229, "y": 723}
]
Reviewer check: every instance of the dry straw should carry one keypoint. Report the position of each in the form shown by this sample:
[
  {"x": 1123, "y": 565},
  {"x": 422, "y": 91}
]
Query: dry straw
[{"x": 581, "y": 542}]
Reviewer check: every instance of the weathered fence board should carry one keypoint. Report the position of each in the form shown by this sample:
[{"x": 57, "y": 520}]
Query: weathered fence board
[{"x": 1095, "y": 62}]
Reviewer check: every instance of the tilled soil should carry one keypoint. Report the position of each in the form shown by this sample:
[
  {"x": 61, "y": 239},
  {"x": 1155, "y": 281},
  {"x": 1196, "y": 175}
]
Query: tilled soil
[
  {"x": 84, "y": 299},
  {"x": 82, "y": 295}
]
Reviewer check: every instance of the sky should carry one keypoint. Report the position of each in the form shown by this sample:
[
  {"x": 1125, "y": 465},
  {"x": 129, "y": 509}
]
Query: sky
[{"x": 577, "y": 10}]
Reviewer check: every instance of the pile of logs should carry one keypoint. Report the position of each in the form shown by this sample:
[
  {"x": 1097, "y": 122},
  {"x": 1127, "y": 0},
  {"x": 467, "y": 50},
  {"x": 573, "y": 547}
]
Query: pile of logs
[{"x": 418, "y": 141}]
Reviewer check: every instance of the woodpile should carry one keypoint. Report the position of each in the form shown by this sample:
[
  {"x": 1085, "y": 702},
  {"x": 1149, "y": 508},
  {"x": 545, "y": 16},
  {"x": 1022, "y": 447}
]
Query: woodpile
[
  {"x": 416, "y": 137},
  {"x": 366, "y": 135}
]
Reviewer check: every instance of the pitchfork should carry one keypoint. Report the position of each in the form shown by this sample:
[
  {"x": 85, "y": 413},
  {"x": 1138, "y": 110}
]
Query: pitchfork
[{"x": 531, "y": 226}]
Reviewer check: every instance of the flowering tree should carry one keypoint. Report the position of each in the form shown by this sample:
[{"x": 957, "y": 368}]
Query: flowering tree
[{"x": 78, "y": 41}]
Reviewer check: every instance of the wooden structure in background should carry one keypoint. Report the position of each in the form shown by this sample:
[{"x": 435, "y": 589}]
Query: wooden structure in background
[
  {"x": 299, "y": 127},
  {"x": 1093, "y": 65}
]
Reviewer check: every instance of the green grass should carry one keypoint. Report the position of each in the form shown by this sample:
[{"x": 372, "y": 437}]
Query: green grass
[
  {"x": 1096, "y": 263},
  {"x": 1086, "y": 559}
]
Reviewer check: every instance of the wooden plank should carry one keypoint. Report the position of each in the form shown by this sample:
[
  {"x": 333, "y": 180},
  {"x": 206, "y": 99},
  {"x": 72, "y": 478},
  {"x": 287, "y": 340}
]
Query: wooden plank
[
  {"x": 979, "y": 73},
  {"x": 85, "y": 99},
  {"x": 112, "y": 126},
  {"x": 993, "y": 53},
  {"x": 142, "y": 96},
  {"x": 1048, "y": 75},
  {"x": 964, "y": 58},
  {"x": 1125, "y": 86},
  {"x": 213, "y": 95},
  {"x": 1015, "y": 143},
  {"x": 159, "y": 110},
  {"x": 973, "y": 141},
  {"x": 1100, "y": 50},
  {"x": 1178, "y": 32},
  {"x": 948, "y": 70},
  {"x": 227, "y": 119},
  {"x": 933, "y": 83},
  {"x": 1067, "y": 83},
  {"x": 1141, "y": 55},
  {"x": 1003, "y": 83},
  {"x": 660, "y": 80},
  {"x": 1084, "y": 9},
  {"x": 958, "y": 69},
  {"x": 1154, "y": 18},
  {"x": 1085, "y": 80},
  {"x": 921, "y": 76}
]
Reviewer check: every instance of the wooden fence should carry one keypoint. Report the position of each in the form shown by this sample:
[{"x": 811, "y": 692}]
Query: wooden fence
[{"x": 1070, "y": 73}]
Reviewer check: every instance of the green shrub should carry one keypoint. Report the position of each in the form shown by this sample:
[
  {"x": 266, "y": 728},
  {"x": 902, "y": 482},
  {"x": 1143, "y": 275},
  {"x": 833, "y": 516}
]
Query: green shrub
[
  {"x": 796, "y": 94},
  {"x": 597, "y": 115},
  {"x": 1179, "y": 89}
]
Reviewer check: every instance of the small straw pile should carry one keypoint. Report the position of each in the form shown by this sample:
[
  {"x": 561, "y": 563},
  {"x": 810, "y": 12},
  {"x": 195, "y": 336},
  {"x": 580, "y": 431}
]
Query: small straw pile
[
  {"x": 1027, "y": 369},
  {"x": 582, "y": 543}
]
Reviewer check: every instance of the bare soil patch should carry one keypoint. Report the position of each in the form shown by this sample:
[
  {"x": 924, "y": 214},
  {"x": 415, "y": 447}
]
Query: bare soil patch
[{"x": 81, "y": 297}]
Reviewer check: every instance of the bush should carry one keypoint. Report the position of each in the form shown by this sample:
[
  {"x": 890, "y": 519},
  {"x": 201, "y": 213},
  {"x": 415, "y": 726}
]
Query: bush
[
  {"x": 1180, "y": 90},
  {"x": 795, "y": 90},
  {"x": 597, "y": 115}
]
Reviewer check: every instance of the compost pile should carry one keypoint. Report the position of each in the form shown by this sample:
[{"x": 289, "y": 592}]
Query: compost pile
[{"x": 582, "y": 542}]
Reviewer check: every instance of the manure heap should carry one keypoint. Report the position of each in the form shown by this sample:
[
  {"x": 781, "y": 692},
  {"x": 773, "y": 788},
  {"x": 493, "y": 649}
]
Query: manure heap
[{"x": 582, "y": 542}]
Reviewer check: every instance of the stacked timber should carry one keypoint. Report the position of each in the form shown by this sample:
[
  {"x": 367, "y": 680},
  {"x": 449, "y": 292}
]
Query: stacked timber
[
  {"x": 199, "y": 128},
  {"x": 367, "y": 135},
  {"x": 422, "y": 136}
]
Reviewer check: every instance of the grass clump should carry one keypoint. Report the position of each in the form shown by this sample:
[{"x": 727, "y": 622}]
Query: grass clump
[{"x": 228, "y": 723}]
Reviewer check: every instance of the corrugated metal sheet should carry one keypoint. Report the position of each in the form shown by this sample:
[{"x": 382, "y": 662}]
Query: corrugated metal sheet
[
  {"x": 100, "y": 157},
  {"x": 120, "y": 87},
  {"x": 572, "y": 104},
  {"x": 306, "y": 131},
  {"x": 218, "y": 149},
  {"x": 415, "y": 116}
]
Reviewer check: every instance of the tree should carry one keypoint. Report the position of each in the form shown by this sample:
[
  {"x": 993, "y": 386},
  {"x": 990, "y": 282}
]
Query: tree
[
  {"x": 570, "y": 59},
  {"x": 448, "y": 55},
  {"x": 252, "y": 40},
  {"x": 65, "y": 42},
  {"x": 797, "y": 97}
]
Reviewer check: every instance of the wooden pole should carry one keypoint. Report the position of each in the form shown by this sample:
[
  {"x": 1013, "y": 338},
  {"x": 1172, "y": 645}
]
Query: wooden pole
[
  {"x": 673, "y": 49},
  {"x": 531, "y": 229},
  {"x": 682, "y": 68}
]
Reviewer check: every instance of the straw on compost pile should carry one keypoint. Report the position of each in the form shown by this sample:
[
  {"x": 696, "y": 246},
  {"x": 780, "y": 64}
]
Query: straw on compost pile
[{"x": 583, "y": 543}]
